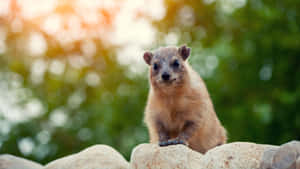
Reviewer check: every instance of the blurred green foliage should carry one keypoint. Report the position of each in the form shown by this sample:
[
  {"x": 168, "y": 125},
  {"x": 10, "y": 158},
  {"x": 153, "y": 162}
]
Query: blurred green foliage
[{"x": 249, "y": 59}]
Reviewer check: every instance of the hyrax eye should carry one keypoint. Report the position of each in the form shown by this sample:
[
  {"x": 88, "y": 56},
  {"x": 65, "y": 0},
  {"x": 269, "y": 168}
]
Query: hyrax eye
[
  {"x": 155, "y": 66},
  {"x": 175, "y": 64}
]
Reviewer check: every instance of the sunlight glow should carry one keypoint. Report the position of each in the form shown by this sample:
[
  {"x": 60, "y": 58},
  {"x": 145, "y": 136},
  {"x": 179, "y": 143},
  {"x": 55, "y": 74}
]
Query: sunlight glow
[
  {"x": 34, "y": 8},
  {"x": 228, "y": 6},
  {"x": 171, "y": 38},
  {"x": 71, "y": 26},
  {"x": 4, "y": 7},
  {"x": 92, "y": 79},
  {"x": 78, "y": 61},
  {"x": 75, "y": 100},
  {"x": 88, "y": 48},
  {"x": 2, "y": 40},
  {"x": 57, "y": 67},
  {"x": 58, "y": 117},
  {"x": 5, "y": 127},
  {"x": 16, "y": 25},
  {"x": 16, "y": 103},
  {"x": 33, "y": 108},
  {"x": 43, "y": 137},
  {"x": 2, "y": 47},
  {"x": 126, "y": 24},
  {"x": 265, "y": 72},
  {"x": 186, "y": 16},
  {"x": 131, "y": 55},
  {"x": 37, "y": 44},
  {"x": 52, "y": 24},
  {"x": 26, "y": 146},
  {"x": 38, "y": 69}
]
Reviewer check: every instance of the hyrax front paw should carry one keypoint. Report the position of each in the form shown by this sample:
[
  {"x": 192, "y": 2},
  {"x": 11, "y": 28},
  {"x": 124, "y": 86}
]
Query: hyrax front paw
[
  {"x": 163, "y": 143},
  {"x": 172, "y": 142}
]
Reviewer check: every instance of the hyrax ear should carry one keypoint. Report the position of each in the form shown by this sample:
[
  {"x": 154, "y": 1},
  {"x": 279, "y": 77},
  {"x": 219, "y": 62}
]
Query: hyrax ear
[
  {"x": 148, "y": 57},
  {"x": 184, "y": 52}
]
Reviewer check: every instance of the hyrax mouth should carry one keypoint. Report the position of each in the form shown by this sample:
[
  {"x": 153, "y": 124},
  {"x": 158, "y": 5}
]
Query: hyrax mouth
[{"x": 168, "y": 82}]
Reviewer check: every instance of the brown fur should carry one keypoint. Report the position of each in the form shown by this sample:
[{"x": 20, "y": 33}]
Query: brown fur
[{"x": 182, "y": 110}]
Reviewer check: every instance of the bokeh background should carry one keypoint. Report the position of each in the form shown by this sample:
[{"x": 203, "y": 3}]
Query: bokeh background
[{"x": 72, "y": 73}]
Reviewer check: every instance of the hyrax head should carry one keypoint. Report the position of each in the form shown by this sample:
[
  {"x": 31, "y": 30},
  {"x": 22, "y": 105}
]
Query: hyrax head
[{"x": 168, "y": 66}]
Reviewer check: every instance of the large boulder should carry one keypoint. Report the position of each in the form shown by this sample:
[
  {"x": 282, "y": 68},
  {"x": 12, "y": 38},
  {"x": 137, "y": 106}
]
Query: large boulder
[
  {"x": 151, "y": 156},
  {"x": 283, "y": 157},
  {"x": 95, "y": 157},
  {"x": 12, "y": 162},
  {"x": 267, "y": 158},
  {"x": 241, "y": 155},
  {"x": 229, "y": 156}
]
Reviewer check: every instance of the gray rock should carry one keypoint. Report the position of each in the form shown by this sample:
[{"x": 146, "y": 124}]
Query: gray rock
[
  {"x": 286, "y": 156},
  {"x": 12, "y": 162},
  {"x": 283, "y": 157},
  {"x": 95, "y": 157},
  {"x": 267, "y": 158},
  {"x": 295, "y": 144}
]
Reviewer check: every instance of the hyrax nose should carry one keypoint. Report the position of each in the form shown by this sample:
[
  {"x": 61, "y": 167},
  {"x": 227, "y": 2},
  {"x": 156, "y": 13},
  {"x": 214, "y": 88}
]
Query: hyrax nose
[{"x": 165, "y": 76}]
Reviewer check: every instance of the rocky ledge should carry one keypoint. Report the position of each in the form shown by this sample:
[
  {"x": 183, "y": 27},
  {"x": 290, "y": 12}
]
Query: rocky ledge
[{"x": 238, "y": 155}]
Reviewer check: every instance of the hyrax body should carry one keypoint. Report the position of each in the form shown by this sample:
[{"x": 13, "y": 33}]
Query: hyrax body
[{"x": 179, "y": 109}]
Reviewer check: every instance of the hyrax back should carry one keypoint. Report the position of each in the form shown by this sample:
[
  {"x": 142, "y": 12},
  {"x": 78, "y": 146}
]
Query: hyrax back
[{"x": 179, "y": 109}]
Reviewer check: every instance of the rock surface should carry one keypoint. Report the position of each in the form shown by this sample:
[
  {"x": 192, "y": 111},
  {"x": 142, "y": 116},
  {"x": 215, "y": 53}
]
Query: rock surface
[
  {"x": 283, "y": 157},
  {"x": 151, "y": 156},
  {"x": 239, "y": 155},
  {"x": 267, "y": 158},
  {"x": 229, "y": 156},
  {"x": 95, "y": 157},
  {"x": 12, "y": 162}
]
